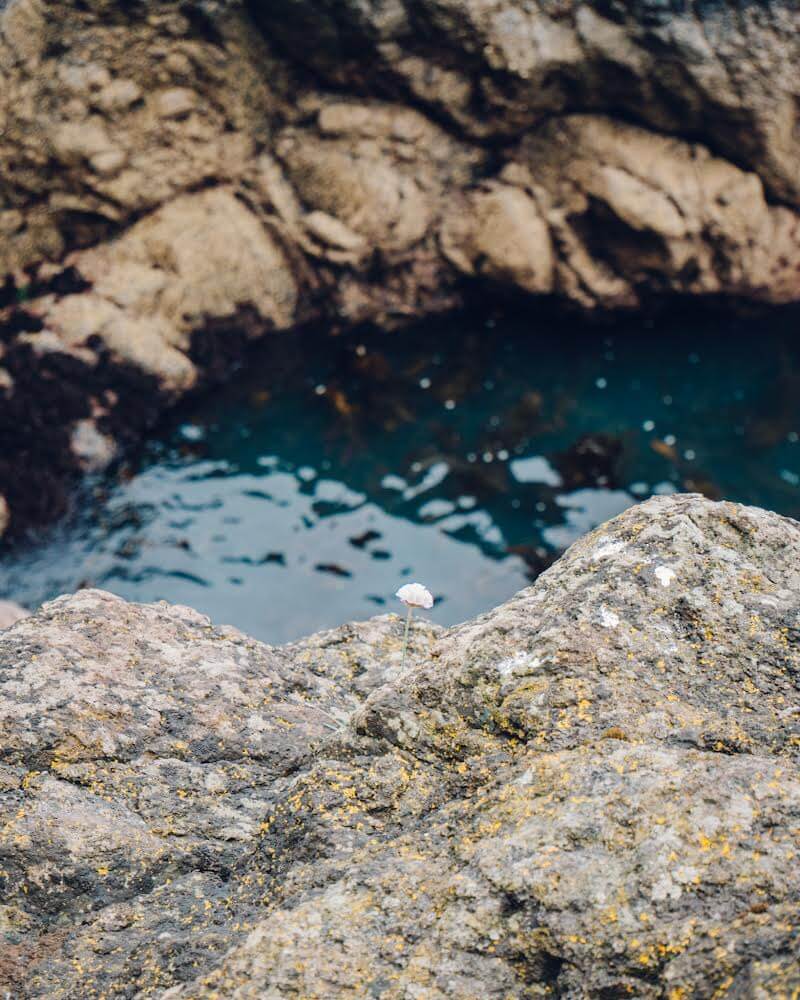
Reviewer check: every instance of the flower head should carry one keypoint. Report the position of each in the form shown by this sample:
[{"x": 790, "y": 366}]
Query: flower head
[{"x": 414, "y": 595}]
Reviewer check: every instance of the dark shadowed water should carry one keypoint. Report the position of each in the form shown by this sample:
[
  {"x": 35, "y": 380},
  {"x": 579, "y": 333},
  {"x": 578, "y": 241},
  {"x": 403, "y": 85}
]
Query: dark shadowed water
[{"x": 465, "y": 455}]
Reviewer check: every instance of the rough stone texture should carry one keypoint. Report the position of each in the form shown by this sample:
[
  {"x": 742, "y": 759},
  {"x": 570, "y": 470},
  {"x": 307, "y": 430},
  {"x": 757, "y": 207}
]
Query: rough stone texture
[
  {"x": 721, "y": 69},
  {"x": 174, "y": 173},
  {"x": 592, "y": 791},
  {"x": 200, "y": 256}
]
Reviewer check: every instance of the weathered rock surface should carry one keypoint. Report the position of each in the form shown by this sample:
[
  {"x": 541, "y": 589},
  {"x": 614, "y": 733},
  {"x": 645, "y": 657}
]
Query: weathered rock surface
[
  {"x": 177, "y": 178},
  {"x": 591, "y": 791}
]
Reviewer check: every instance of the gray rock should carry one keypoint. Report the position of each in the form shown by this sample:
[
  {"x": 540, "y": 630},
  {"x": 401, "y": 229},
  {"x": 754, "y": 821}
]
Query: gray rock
[{"x": 590, "y": 792}]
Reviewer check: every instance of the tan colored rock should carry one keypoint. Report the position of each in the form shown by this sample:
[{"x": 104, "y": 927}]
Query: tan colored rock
[
  {"x": 218, "y": 257},
  {"x": 498, "y": 68},
  {"x": 84, "y": 78},
  {"x": 11, "y": 222},
  {"x": 198, "y": 172},
  {"x": 103, "y": 90},
  {"x": 176, "y": 102},
  {"x": 332, "y": 232},
  {"x": 204, "y": 257},
  {"x": 118, "y": 95},
  {"x": 76, "y": 318},
  {"x": 49, "y": 342},
  {"x": 144, "y": 342},
  {"x": 23, "y": 28},
  {"x": 9, "y": 611},
  {"x": 639, "y": 204},
  {"x": 127, "y": 143},
  {"x": 379, "y": 169},
  {"x": 362, "y": 187},
  {"x": 5, "y": 515},
  {"x": 76, "y": 141},
  {"x": 108, "y": 162},
  {"x": 501, "y": 234},
  {"x": 624, "y": 205},
  {"x": 378, "y": 121}
]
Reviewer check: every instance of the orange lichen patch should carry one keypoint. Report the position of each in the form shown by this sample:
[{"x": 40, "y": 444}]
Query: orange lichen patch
[{"x": 614, "y": 733}]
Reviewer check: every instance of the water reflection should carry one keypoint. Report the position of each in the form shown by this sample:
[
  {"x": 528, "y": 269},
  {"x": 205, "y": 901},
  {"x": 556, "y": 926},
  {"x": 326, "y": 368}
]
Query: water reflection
[{"x": 340, "y": 467}]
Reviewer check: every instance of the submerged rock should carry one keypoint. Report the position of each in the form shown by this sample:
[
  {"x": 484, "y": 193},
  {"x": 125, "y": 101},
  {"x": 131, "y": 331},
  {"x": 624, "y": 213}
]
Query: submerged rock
[
  {"x": 591, "y": 791},
  {"x": 177, "y": 179}
]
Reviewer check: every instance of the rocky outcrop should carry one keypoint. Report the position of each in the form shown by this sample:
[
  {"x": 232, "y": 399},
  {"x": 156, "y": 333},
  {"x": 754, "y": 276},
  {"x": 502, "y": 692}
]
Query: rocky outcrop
[
  {"x": 592, "y": 791},
  {"x": 177, "y": 178}
]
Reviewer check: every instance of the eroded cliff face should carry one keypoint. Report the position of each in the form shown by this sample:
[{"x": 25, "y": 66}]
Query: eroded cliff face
[
  {"x": 176, "y": 176},
  {"x": 592, "y": 791}
]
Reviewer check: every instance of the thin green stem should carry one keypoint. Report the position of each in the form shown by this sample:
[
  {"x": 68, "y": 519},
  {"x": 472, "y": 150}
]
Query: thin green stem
[{"x": 405, "y": 637}]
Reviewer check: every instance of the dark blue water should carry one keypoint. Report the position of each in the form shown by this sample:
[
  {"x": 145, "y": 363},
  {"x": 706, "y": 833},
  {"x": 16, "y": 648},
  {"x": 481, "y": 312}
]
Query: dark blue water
[{"x": 466, "y": 454}]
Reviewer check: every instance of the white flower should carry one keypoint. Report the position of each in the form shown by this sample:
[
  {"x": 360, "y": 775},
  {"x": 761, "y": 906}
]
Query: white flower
[
  {"x": 414, "y": 595},
  {"x": 665, "y": 575}
]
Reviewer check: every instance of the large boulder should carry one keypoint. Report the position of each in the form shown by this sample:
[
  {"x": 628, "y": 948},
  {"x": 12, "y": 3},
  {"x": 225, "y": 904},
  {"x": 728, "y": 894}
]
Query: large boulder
[{"x": 592, "y": 791}]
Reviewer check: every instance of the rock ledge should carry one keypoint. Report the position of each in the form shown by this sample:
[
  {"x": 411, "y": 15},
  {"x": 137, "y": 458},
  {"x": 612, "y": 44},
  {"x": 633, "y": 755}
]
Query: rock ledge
[{"x": 592, "y": 791}]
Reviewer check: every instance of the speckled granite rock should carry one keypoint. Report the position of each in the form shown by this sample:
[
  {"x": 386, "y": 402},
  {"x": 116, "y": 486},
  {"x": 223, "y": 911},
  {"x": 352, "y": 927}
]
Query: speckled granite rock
[{"x": 591, "y": 791}]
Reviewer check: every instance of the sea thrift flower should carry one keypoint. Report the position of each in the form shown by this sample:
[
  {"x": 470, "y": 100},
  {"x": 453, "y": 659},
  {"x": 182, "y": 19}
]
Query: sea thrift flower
[{"x": 413, "y": 595}]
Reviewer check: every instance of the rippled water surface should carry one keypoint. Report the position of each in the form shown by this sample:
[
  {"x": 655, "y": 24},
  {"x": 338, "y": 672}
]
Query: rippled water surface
[{"x": 466, "y": 454}]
